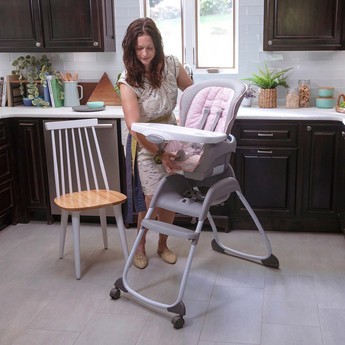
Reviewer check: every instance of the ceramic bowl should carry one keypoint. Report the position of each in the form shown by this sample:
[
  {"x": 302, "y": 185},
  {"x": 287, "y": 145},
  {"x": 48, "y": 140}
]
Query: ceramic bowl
[
  {"x": 325, "y": 103},
  {"x": 326, "y": 91},
  {"x": 95, "y": 104}
]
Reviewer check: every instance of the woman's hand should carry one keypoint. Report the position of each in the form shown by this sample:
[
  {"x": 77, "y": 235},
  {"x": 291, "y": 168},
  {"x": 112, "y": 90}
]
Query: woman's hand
[{"x": 168, "y": 161}]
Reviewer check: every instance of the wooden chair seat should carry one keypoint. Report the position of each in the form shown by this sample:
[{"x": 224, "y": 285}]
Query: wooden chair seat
[{"x": 89, "y": 199}]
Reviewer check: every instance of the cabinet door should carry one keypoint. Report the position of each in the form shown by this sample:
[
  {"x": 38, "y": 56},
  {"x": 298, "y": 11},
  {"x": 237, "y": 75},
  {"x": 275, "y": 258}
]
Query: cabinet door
[
  {"x": 267, "y": 177},
  {"x": 6, "y": 180},
  {"x": 342, "y": 183},
  {"x": 20, "y": 28},
  {"x": 321, "y": 164},
  {"x": 32, "y": 176},
  {"x": 64, "y": 25},
  {"x": 303, "y": 25},
  {"x": 74, "y": 25}
]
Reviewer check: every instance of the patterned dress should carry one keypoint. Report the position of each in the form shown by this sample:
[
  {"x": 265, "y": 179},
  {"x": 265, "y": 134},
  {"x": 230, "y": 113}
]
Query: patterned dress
[{"x": 156, "y": 105}]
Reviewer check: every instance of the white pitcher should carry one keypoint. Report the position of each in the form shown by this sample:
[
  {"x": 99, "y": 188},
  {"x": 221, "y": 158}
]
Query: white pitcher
[{"x": 71, "y": 93}]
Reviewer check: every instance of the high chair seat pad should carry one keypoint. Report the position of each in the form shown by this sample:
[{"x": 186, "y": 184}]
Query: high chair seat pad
[{"x": 172, "y": 132}]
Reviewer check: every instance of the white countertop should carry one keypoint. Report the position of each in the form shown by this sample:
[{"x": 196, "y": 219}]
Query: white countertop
[
  {"x": 115, "y": 112},
  {"x": 110, "y": 112}
]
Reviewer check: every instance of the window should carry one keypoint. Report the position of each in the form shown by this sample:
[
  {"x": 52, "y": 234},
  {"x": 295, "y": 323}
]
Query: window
[{"x": 201, "y": 33}]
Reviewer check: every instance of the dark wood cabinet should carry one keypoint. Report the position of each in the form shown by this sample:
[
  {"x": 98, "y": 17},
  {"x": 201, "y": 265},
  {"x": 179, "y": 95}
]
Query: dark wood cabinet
[
  {"x": 321, "y": 173},
  {"x": 304, "y": 25},
  {"x": 32, "y": 192},
  {"x": 342, "y": 186},
  {"x": 6, "y": 177},
  {"x": 266, "y": 168},
  {"x": 64, "y": 25},
  {"x": 290, "y": 173}
]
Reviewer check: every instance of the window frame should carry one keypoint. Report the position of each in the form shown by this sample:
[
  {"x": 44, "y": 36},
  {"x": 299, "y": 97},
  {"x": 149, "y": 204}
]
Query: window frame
[{"x": 189, "y": 31}]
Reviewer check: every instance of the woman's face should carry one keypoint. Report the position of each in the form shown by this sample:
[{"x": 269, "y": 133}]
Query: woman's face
[{"x": 145, "y": 50}]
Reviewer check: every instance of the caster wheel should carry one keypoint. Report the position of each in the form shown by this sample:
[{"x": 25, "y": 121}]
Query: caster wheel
[
  {"x": 177, "y": 321},
  {"x": 115, "y": 293}
]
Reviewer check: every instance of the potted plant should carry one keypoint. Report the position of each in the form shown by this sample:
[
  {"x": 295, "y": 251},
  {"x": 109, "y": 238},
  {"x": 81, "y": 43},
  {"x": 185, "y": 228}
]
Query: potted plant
[
  {"x": 32, "y": 72},
  {"x": 267, "y": 81},
  {"x": 248, "y": 96}
]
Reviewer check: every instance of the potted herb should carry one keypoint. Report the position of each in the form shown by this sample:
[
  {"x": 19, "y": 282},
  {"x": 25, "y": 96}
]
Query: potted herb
[
  {"x": 32, "y": 72},
  {"x": 267, "y": 81}
]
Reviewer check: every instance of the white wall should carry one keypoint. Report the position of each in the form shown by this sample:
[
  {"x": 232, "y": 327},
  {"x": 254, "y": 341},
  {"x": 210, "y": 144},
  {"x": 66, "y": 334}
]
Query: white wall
[{"x": 323, "y": 68}]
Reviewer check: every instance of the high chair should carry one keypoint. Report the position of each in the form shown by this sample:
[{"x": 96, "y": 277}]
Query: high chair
[{"x": 203, "y": 146}]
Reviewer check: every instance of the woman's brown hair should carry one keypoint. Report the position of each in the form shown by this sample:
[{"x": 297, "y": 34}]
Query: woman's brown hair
[{"x": 135, "y": 69}]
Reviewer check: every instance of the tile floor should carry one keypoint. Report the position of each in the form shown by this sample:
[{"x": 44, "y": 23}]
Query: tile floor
[{"x": 228, "y": 300}]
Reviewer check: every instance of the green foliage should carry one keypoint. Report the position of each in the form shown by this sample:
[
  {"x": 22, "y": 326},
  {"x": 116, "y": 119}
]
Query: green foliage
[
  {"x": 33, "y": 70},
  {"x": 208, "y": 7},
  {"x": 116, "y": 87},
  {"x": 269, "y": 78}
]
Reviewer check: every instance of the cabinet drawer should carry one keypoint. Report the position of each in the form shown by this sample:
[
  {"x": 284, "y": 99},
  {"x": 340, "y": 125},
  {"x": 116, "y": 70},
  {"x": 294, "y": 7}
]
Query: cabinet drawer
[{"x": 265, "y": 134}]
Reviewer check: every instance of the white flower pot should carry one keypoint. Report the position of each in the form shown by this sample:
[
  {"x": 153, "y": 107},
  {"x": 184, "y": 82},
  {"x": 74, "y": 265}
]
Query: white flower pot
[{"x": 246, "y": 102}]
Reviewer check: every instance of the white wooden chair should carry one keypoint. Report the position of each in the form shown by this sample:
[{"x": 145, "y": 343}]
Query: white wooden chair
[{"x": 77, "y": 162}]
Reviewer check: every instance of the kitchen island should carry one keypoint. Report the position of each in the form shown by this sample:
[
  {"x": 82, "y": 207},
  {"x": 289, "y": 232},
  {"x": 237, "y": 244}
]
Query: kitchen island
[{"x": 289, "y": 162}]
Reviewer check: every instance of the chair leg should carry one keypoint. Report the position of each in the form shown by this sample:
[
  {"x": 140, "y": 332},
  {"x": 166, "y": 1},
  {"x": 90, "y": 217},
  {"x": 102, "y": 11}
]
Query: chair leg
[
  {"x": 76, "y": 242},
  {"x": 121, "y": 228},
  {"x": 63, "y": 227},
  {"x": 103, "y": 218}
]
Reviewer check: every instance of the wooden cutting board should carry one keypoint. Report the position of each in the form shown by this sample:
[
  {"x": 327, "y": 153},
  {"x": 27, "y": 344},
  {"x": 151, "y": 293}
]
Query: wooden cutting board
[{"x": 104, "y": 91}]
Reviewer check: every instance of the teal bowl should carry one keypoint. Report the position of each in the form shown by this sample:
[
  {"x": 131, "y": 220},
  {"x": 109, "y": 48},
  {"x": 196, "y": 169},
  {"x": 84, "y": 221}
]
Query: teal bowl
[
  {"x": 95, "y": 104},
  {"x": 325, "y": 103},
  {"x": 326, "y": 91}
]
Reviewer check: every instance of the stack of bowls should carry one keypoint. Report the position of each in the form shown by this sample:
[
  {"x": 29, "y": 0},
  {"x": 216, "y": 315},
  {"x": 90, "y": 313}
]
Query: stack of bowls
[{"x": 325, "y": 99}]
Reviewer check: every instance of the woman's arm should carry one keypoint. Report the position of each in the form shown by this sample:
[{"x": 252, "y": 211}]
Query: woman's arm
[
  {"x": 183, "y": 79},
  {"x": 131, "y": 111}
]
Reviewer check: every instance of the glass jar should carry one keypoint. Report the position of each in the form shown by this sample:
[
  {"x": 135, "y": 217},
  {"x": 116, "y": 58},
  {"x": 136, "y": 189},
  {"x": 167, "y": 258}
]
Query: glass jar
[
  {"x": 304, "y": 93},
  {"x": 292, "y": 98}
]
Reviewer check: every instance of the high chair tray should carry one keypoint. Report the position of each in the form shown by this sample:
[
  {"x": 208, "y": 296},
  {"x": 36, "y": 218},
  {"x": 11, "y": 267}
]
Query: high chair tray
[{"x": 172, "y": 132}]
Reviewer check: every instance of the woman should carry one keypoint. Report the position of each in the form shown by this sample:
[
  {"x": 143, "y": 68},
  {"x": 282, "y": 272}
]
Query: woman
[{"x": 149, "y": 87}]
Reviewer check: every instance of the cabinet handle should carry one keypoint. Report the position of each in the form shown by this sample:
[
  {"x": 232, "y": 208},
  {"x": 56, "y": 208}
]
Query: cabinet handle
[
  {"x": 38, "y": 44},
  {"x": 95, "y": 44},
  {"x": 269, "y": 42},
  {"x": 265, "y": 134},
  {"x": 308, "y": 128},
  {"x": 264, "y": 151},
  {"x": 104, "y": 125}
]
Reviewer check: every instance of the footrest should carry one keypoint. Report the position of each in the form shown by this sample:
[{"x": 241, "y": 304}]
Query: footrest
[{"x": 169, "y": 229}]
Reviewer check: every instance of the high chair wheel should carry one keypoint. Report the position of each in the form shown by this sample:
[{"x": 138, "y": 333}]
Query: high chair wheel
[
  {"x": 115, "y": 293},
  {"x": 177, "y": 321}
]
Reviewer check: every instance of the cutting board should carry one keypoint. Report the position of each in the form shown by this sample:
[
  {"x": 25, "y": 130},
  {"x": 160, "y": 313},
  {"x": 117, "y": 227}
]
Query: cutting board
[{"x": 104, "y": 91}]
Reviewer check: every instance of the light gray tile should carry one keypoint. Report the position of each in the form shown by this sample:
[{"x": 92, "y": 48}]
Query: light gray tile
[
  {"x": 332, "y": 324},
  {"x": 290, "y": 299},
  {"x": 18, "y": 307},
  {"x": 273, "y": 334},
  {"x": 226, "y": 298},
  {"x": 294, "y": 252},
  {"x": 330, "y": 289},
  {"x": 229, "y": 310},
  {"x": 112, "y": 329},
  {"x": 71, "y": 309},
  {"x": 43, "y": 337}
]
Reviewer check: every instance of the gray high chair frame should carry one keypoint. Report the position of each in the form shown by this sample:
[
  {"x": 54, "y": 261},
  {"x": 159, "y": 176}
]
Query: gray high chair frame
[{"x": 171, "y": 195}]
